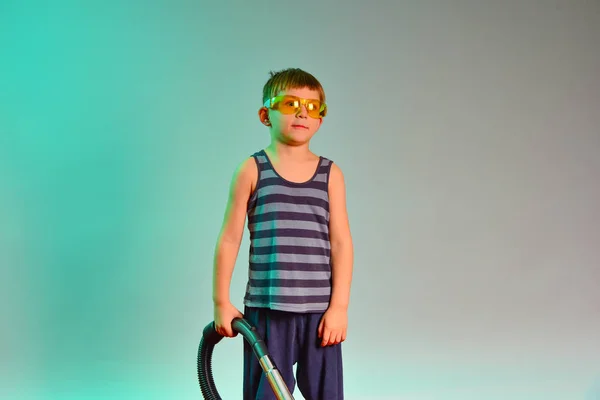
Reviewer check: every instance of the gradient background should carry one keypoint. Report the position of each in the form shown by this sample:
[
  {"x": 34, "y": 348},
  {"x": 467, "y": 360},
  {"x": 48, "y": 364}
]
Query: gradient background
[{"x": 469, "y": 135}]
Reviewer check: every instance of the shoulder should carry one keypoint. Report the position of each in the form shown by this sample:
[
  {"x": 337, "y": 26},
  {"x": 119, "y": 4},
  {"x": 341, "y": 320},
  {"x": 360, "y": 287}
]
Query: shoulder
[
  {"x": 338, "y": 219},
  {"x": 336, "y": 176},
  {"x": 246, "y": 172},
  {"x": 336, "y": 184},
  {"x": 248, "y": 165}
]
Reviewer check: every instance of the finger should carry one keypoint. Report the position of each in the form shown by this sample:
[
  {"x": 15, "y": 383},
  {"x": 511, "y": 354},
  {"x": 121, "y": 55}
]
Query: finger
[
  {"x": 320, "y": 330},
  {"x": 331, "y": 338},
  {"x": 229, "y": 330},
  {"x": 335, "y": 338},
  {"x": 326, "y": 335},
  {"x": 338, "y": 338},
  {"x": 344, "y": 336}
]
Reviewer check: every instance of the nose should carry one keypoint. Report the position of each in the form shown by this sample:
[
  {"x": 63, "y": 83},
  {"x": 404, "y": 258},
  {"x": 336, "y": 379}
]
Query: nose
[{"x": 302, "y": 112}]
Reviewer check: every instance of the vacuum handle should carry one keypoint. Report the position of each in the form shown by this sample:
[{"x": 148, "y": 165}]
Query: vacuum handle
[
  {"x": 259, "y": 348},
  {"x": 249, "y": 333}
]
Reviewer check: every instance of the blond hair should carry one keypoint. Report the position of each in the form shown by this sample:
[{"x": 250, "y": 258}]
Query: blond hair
[{"x": 291, "y": 78}]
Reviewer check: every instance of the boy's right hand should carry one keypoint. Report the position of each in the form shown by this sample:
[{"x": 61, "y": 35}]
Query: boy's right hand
[{"x": 224, "y": 314}]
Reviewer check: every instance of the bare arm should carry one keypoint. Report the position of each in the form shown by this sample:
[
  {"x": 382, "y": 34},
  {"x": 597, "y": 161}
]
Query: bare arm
[
  {"x": 342, "y": 253},
  {"x": 334, "y": 324},
  {"x": 230, "y": 236}
]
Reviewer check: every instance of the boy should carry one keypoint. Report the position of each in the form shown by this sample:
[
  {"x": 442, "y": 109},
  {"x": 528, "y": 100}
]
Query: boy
[{"x": 301, "y": 250}]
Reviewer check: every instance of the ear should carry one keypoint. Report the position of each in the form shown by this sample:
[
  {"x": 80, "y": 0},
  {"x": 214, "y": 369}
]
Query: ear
[{"x": 263, "y": 116}]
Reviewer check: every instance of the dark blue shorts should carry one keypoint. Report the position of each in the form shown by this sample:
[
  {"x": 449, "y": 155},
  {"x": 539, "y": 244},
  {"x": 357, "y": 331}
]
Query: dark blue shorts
[{"x": 292, "y": 338}]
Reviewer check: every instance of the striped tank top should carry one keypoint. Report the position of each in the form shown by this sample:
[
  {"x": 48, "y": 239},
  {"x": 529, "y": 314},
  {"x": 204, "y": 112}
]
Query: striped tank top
[{"x": 289, "y": 265}]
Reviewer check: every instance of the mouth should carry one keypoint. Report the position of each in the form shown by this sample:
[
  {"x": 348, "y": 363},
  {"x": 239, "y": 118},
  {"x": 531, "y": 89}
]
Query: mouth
[{"x": 300, "y": 126}]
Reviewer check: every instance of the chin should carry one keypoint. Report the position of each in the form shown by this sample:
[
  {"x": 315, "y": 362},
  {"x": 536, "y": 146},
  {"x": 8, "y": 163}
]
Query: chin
[{"x": 291, "y": 141}]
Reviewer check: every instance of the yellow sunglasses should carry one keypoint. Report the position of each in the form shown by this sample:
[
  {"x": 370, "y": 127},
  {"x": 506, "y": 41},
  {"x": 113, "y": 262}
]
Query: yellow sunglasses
[{"x": 287, "y": 104}]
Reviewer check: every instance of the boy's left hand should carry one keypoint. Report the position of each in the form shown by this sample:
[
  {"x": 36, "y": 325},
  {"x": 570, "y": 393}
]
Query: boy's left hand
[{"x": 333, "y": 325}]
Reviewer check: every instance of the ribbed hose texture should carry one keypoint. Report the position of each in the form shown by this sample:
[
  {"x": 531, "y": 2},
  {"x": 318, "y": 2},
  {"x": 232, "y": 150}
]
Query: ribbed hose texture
[{"x": 209, "y": 339}]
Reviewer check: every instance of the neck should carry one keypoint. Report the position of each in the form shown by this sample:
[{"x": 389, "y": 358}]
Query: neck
[{"x": 288, "y": 152}]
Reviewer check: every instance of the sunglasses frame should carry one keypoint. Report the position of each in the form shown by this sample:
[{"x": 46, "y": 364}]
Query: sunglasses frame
[{"x": 274, "y": 100}]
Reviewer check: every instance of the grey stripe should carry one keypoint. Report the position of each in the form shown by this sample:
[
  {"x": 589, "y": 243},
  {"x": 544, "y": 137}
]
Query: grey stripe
[
  {"x": 321, "y": 178},
  {"x": 300, "y": 208},
  {"x": 288, "y": 291},
  {"x": 278, "y": 274},
  {"x": 293, "y": 307},
  {"x": 288, "y": 224},
  {"x": 294, "y": 191},
  {"x": 261, "y": 159},
  {"x": 292, "y": 258},
  {"x": 307, "y": 307},
  {"x": 291, "y": 241},
  {"x": 269, "y": 173}
]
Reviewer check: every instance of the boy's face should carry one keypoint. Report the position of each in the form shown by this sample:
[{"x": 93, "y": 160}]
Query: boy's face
[{"x": 293, "y": 129}]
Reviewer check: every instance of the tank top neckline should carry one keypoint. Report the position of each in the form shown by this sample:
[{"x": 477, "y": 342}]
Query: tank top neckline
[{"x": 290, "y": 182}]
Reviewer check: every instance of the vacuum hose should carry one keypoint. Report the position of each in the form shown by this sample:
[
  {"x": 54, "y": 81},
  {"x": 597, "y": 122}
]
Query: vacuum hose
[{"x": 210, "y": 337}]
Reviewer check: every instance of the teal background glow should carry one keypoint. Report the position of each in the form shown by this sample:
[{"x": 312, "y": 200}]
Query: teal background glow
[{"x": 469, "y": 135}]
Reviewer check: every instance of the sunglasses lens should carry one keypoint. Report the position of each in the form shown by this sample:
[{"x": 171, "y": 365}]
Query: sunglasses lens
[
  {"x": 291, "y": 105},
  {"x": 288, "y": 105},
  {"x": 313, "y": 107}
]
